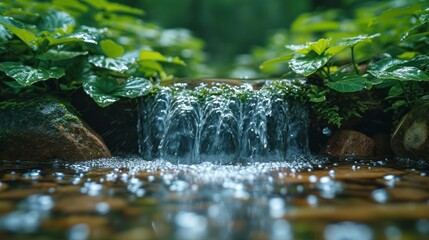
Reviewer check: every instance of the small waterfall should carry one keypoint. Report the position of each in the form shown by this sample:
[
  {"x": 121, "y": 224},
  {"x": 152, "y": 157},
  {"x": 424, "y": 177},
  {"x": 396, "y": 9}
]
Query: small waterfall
[{"x": 222, "y": 124}]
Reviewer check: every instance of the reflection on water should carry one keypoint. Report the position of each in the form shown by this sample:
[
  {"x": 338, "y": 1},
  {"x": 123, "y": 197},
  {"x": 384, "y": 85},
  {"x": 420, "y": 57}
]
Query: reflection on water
[{"x": 128, "y": 198}]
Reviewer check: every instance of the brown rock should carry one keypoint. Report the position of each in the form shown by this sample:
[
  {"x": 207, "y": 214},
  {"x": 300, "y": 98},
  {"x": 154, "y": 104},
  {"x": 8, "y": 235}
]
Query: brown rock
[
  {"x": 44, "y": 129},
  {"x": 411, "y": 136},
  {"x": 350, "y": 143}
]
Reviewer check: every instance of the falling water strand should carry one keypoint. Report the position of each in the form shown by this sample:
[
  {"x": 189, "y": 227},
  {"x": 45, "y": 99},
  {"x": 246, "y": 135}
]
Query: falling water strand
[{"x": 221, "y": 124}]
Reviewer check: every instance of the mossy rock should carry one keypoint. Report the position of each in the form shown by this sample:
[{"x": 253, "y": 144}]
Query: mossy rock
[
  {"x": 411, "y": 136},
  {"x": 42, "y": 129}
]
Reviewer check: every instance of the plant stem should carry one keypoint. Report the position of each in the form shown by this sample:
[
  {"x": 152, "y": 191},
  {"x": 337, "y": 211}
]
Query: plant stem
[
  {"x": 354, "y": 61},
  {"x": 326, "y": 74}
]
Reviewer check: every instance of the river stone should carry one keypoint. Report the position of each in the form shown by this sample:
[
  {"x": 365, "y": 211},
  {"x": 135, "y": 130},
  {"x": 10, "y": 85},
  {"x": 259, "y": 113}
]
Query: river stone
[
  {"x": 411, "y": 136},
  {"x": 350, "y": 143},
  {"x": 43, "y": 129}
]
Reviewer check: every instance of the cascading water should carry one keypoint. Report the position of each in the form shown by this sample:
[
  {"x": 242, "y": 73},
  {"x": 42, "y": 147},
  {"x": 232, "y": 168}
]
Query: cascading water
[{"x": 222, "y": 124}]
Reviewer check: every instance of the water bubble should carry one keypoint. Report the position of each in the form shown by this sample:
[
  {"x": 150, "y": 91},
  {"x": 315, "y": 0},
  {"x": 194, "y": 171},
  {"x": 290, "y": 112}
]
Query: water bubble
[
  {"x": 79, "y": 232},
  {"x": 393, "y": 233},
  {"x": 380, "y": 195},
  {"x": 39, "y": 202},
  {"x": 390, "y": 180},
  {"x": 102, "y": 208},
  {"x": 281, "y": 230},
  {"x": 21, "y": 221},
  {"x": 422, "y": 226},
  {"x": 329, "y": 188},
  {"x": 59, "y": 175},
  {"x": 312, "y": 178},
  {"x": 33, "y": 174},
  {"x": 92, "y": 188},
  {"x": 179, "y": 186},
  {"x": 331, "y": 173},
  {"x": 190, "y": 225},
  {"x": 348, "y": 230},
  {"x": 277, "y": 207},
  {"x": 326, "y": 131},
  {"x": 312, "y": 200}
]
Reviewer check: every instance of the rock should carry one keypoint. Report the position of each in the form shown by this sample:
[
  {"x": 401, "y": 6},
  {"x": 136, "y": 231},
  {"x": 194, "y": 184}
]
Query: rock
[
  {"x": 43, "y": 129},
  {"x": 350, "y": 143},
  {"x": 411, "y": 136}
]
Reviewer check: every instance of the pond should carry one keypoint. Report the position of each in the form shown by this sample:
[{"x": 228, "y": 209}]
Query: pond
[{"x": 129, "y": 198}]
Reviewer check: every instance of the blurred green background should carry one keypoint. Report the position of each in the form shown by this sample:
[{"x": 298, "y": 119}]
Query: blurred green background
[{"x": 233, "y": 31}]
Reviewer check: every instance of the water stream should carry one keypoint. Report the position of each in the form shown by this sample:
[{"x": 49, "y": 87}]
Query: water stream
[
  {"x": 222, "y": 124},
  {"x": 217, "y": 166}
]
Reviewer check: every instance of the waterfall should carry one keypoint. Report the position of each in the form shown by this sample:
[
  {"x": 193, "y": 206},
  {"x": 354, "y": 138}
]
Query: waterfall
[{"x": 221, "y": 124}]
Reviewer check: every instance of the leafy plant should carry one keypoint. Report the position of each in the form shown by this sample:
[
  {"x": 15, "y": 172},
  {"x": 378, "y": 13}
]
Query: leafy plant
[
  {"x": 399, "y": 66},
  {"x": 46, "y": 46}
]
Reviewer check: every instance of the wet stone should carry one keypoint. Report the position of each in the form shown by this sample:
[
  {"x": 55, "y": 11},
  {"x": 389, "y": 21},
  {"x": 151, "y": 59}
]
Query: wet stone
[{"x": 350, "y": 143}]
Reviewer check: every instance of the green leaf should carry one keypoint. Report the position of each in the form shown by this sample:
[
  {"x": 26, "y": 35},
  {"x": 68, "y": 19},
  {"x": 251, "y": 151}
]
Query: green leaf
[
  {"x": 401, "y": 70},
  {"x": 117, "y": 65},
  {"x": 111, "y": 49},
  {"x": 107, "y": 90},
  {"x": 349, "y": 42},
  {"x": 148, "y": 55},
  {"x": 57, "y": 20},
  {"x": 308, "y": 64},
  {"x": 273, "y": 61},
  {"x": 26, "y": 75},
  {"x": 320, "y": 46},
  {"x": 4, "y": 34},
  {"x": 398, "y": 12},
  {"x": 395, "y": 91},
  {"x": 347, "y": 82},
  {"x": 56, "y": 55},
  {"x": 26, "y": 36}
]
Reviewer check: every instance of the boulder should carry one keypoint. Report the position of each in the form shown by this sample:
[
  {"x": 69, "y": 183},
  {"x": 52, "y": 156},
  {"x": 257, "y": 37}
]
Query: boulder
[
  {"x": 43, "y": 129},
  {"x": 411, "y": 136},
  {"x": 350, "y": 143}
]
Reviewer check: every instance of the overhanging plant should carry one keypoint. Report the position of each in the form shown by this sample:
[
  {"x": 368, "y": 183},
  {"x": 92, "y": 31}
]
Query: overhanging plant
[
  {"x": 401, "y": 67},
  {"x": 48, "y": 50}
]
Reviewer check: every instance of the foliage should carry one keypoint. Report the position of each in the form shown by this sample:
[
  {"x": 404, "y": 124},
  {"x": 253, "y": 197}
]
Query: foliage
[
  {"x": 61, "y": 46},
  {"x": 383, "y": 49}
]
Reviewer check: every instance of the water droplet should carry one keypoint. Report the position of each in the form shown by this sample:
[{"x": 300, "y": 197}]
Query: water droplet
[
  {"x": 312, "y": 178},
  {"x": 21, "y": 221},
  {"x": 380, "y": 195},
  {"x": 79, "y": 232},
  {"x": 277, "y": 207},
  {"x": 349, "y": 231},
  {"x": 326, "y": 131},
  {"x": 393, "y": 233},
  {"x": 329, "y": 188},
  {"x": 312, "y": 200},
  {"x": 281, "y": 230},
  {"x": 39, "y": 202},
  {"x": 423, "y": 226},
  {"x": 92, "y": 188},
  {"x": 102, "y": 208},
  {"x": 33, "y": 174},
  {"x": 190, "y": 225}
]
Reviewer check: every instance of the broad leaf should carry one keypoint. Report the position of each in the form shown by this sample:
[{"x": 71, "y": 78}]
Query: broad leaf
[
  {"x": 349, "y": 42},
  {"x": 308, "y": 64},
  {"x": 107, "y": 90},
  {"x": 402, "y": 70},
  {"x": 318, "y": 47},
  {"x": 26, "y": 36},
  {"x": 26, "y": 75},
  {"x": 276, "y": 60},
  {"x": 4, "y": 34},
  {"x": 55, "y": 20},
  {"x": 117, "y": 65},
  {"x": 55, "y": 55},
  {"x": 395, "y": 91},
  {"x": 111, "y": 49},
  {"x": 147, "y": 55},
  {"x": 347, "y": 82}
]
